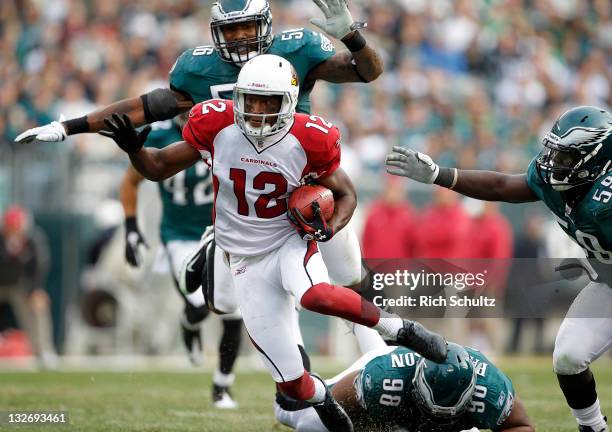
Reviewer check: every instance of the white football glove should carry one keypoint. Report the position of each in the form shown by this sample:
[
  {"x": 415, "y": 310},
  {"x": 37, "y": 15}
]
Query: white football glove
[
  {"x": 412, "y": 164},
  {"x": 52, "y": 132},
  {"x": 338, "y": 21}
]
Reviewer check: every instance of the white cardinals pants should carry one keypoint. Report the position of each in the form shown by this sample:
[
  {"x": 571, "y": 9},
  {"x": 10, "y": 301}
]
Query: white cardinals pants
[
  {"x": 341, "y": 255},
  {"x": 268, "y": 288}
]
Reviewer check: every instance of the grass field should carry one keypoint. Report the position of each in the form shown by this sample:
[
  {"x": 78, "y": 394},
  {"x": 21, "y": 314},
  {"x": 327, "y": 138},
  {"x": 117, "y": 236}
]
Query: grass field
[{"x": 179, "y": 401}]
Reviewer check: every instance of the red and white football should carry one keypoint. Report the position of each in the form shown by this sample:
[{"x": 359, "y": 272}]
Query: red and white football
[{"x": 304, "y": 196}]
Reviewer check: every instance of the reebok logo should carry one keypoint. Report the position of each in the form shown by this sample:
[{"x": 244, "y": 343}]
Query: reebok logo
[{"x": 240, "y": 271}]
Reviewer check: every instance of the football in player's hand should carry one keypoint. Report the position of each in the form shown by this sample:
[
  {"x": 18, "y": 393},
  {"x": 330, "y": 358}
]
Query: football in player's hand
[{"x": 303, "y": 197}]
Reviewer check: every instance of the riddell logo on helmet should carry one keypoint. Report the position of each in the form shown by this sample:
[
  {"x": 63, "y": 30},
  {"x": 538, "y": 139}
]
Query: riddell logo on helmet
[{"x": 258, "y": 85}]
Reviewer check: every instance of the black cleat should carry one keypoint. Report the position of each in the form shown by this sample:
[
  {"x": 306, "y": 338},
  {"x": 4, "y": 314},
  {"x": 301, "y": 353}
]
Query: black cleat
[
  {"x": 290, "y": 404},
  {"x": 332, "y": 414},
  {"x": 192, "y": 338},
  {"x": 222, "y": 398},
  {"x": 582, "y": 428},
  {"x": 429, "y": 344}
]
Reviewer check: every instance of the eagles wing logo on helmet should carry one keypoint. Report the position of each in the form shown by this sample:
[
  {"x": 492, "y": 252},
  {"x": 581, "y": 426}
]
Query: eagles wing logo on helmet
[{"x": 582, "y": 136}]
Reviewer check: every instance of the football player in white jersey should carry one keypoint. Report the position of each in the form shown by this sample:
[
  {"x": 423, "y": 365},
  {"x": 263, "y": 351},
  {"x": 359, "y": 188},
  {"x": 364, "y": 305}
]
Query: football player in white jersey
[{"x": 261, "y": 151}]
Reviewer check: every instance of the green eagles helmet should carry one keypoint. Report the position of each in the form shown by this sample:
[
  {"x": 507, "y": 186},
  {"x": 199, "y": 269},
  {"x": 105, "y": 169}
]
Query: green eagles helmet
[
  {"x": 443, "y": 391},
  {"x": 227, "y": 12},
  {"x": 578, "y": 149}
]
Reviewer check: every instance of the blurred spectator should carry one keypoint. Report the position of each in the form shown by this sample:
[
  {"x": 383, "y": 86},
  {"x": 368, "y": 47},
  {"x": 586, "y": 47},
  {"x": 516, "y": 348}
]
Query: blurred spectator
[
  {"x": 490, "y": 232},
  {"x": 529, "y": 244},
  {"x": 389, "y": 223},
  {"x": 442, "y": 228},
  {"x": 24, "y": 262},
  {"x": 490, "y": 238}
]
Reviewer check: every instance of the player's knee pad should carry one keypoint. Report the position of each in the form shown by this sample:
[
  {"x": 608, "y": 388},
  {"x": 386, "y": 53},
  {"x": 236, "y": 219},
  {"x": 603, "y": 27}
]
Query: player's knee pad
[
  {"x": 302, "y": 388},
  {"x": 570, "y": 357}
]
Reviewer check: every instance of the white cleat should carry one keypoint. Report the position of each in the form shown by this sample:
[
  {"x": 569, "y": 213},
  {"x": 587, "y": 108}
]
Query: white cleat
[{"x": 224, "y": 401}]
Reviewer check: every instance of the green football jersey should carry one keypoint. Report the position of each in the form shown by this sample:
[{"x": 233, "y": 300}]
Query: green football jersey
[
  {"x": 200, "y": 73},
  {"x": 384, "y": 388},
  {"x": 589, "y": 222},
  {"x": 187, "y": 197}
]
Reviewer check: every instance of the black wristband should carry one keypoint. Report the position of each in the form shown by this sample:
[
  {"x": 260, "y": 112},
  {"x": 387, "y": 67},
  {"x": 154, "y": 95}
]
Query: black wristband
[
  {"x": 447, "y": 177},
  {"x": 355, "y": 42},
  {"x": 147, "y": 112},
  {"x": 130, "y": 224},
  {"x": 76, "y": 126}
]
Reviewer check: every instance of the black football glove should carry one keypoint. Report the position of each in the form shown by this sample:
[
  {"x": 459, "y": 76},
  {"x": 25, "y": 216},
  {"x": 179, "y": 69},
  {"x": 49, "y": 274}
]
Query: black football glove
[
  {"x": 124, "y": 134},
  {"x": 133, "y": 242},
  {"x": 317, "y": 229}
]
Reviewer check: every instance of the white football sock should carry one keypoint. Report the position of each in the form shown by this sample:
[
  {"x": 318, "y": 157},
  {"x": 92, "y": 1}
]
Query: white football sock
[
  {"x": 223, "y": 380},
  {"x": 368, "y": 338},
  {"x": 320, "y": 391},
  {"x": 389, "y": 326},
  {"x": 591, "y": 416}
]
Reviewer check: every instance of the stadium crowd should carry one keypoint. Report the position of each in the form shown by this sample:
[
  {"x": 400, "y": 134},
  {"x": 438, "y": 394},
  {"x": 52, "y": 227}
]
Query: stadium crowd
[
  {"x": 471, "y": 82},
  {"x": 474, "y": 83}
]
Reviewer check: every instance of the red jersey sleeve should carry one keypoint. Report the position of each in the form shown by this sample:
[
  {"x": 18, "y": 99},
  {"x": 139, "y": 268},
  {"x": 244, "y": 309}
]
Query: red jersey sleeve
[
  {"x": 321, "y": 143},
  {"x": 205, "y": 121}
]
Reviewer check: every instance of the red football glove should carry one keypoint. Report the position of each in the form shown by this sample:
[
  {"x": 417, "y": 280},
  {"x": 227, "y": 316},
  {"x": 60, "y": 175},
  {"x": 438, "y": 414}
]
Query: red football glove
[{"x": 317, "y": 229}]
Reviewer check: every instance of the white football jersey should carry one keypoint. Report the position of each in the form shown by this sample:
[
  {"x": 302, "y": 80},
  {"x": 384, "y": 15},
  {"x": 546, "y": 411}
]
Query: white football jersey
[{"x": 253, "y": 181}]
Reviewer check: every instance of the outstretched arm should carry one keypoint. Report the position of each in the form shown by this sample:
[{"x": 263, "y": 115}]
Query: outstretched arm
[
  {"x": 482, "y": 185},
  {"x": 159, "y": 104},
  {"x": 361, "y": 63},
  {"x": 154, "y": 164},
  {"x": 160, "y": 164}
]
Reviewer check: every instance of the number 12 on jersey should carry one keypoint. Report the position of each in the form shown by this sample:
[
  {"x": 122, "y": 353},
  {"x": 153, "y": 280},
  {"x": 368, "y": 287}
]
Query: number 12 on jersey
[{"x": 260, "y": 181}]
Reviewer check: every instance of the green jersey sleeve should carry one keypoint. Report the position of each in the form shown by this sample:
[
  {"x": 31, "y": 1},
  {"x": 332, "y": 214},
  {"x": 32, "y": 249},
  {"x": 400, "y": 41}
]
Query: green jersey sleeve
[
  {"x": 493, "y": 397},
  {"x": 305, "y": 49}
]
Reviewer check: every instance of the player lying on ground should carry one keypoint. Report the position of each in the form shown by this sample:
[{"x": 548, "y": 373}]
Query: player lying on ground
[
  {"x": 572, "y": 177},
  {"x": 261, "y": 151},
  {"x": 242, "y": 29},
  {"x": 396, "y": 389}
]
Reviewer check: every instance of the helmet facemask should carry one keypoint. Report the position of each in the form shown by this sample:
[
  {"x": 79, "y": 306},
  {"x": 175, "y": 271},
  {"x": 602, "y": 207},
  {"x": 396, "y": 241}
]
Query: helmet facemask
[
  {"x": 242, "y": 50},
  {"x": 267, "y": 124},
  {"x": 565, "y": 167}
]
